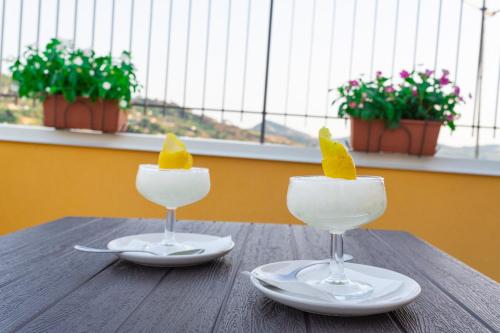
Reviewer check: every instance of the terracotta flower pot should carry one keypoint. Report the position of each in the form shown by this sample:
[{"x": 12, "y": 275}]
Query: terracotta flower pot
[
  {"x": 101, "y": 115},
  {"x": 414, "y": 137}
]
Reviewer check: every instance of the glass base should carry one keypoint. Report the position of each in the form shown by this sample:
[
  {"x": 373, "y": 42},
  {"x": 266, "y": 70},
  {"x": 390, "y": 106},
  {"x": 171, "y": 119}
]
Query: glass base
[
  {"x": 348, "y": 257},
  {"x": 344, "y": 289},
  {"x": 174, "y": 246}
]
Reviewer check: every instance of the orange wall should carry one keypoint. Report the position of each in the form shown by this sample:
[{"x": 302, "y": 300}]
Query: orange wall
[{"x": 458, "y": 213}]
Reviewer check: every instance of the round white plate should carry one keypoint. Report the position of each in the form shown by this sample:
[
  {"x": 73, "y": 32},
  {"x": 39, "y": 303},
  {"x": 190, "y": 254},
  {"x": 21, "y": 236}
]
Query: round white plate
[
  {"x": 407, "y": 291},
  {"x": 196, "y": 240}
]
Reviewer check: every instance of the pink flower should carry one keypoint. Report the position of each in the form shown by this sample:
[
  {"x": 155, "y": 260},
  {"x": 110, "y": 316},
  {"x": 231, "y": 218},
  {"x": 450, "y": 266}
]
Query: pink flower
[
  {"x": 450, "y": 117},
  {"x": 456, "y": 90},
  {"x": 446, "y": 72},
  {"x": 353, "y": 83},
  {"x": 428, "y": 72},
  {"x": 389, "y": 89},
  {"x": 444, "y": 80},
  {"x": 404, "y": 74},
  {"x": 352, "y": 105},
  {"x": 414, "y": 92},
  {"x": 378, "y": 74}
]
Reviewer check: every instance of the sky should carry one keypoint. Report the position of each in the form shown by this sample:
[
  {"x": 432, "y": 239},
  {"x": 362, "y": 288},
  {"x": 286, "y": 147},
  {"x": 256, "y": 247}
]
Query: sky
[{"x": 313, "y": 48}]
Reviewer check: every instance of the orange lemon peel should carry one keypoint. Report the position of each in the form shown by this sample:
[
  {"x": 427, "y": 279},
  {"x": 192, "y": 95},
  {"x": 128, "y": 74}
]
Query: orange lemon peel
[
  {"x": 336, "y": 162},
  {"x": 174, "y": 154}
]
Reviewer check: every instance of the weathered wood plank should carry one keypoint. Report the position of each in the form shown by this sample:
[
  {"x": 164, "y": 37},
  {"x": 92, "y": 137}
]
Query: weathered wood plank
[
  {"x": 311, "y": 244},
  {"x": 33, "y": 292},
  {"x": 108, "y": 299},
  {"x": 245, "y": 309},
  {"x": 474, "y": 291},
  {"x": 47, "y": 286},
  {"x": 12, "y": 242},
  {"x": 188, "y": 299},
  {"x": 44, "y": 249},
  {"x": 432, "y": 311},
  {"x": 102, "y": 303}
]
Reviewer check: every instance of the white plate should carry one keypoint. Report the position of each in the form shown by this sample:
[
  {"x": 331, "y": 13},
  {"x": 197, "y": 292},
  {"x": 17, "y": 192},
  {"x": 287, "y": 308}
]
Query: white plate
[
  {"x": 407, "y": 292},
  {"x": 195, "y": 240}
]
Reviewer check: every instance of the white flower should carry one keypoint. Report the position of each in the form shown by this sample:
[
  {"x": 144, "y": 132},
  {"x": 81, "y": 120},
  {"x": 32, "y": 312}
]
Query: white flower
[
  {"x": 45, "y": 71},
  {"x": 87, "y": 52},
  {"x": 102, "y": 67},
  {"x": 106, "y": 85},
  {"x": 91, "y": 72},
  {"x": 125, "y": 57},
  {"x": 67, "y": 42},
  {"x": 47, "y": 90},
  {"x": 123, "y": 104},
  {"x": 78, "y": 61},
  {"x": 37, "y": 65}
]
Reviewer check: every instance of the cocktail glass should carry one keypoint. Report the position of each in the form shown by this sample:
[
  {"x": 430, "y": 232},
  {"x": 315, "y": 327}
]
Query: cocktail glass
[
  {"x": 172, "y": 188},
  {"x": 337, "y": 205}
]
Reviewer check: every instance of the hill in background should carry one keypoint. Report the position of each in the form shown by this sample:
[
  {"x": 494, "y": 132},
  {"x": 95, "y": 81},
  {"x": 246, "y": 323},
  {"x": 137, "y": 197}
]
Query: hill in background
[
  {"x": 160, "y": 118},
  {"x": 281, "y": 131}
]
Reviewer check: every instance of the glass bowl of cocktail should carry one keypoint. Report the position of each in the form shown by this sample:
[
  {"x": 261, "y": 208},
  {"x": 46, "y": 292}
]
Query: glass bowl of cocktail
[
  {"x": 172, "y": 183},
  {"x": 337, "y": 201}
]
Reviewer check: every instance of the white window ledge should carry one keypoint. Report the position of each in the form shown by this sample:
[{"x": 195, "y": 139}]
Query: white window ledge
[{"x": 237, "y": 149}]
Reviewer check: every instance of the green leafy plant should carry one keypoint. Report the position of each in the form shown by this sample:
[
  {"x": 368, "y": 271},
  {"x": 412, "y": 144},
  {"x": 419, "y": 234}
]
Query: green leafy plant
[
  {"x": 60, "y": 69},
  {"x": 418, "y": 95}
]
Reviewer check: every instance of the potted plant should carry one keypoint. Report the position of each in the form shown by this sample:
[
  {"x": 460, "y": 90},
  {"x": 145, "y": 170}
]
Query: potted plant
[
  {"x": 78, "y": 88},
  {"x": 403, "y": 118}
]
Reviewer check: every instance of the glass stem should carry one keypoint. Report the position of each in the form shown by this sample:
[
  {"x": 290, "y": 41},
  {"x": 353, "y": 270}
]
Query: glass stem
[
  {"x": 168, "y": 236},
  {"x": 337, "y": 275}
]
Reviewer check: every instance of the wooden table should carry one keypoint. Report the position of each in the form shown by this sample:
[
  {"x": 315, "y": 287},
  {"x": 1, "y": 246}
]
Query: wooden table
[{"x": 45, "y": 285}]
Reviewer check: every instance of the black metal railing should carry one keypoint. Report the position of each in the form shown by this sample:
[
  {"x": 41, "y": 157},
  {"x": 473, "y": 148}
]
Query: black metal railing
[{"x": 273, "y": 33}]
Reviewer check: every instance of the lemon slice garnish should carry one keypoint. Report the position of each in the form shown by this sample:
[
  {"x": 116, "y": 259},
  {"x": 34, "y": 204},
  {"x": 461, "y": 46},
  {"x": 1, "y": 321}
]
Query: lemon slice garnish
[
  {"x": 174, "y": 154},
  {"x": 336, "y": 163}
]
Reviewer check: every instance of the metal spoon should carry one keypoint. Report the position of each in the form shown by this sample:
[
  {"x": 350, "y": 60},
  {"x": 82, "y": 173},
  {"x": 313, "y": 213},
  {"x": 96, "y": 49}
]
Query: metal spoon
[
  {"x": 292, "y": 275},
  {"x": 178, "y": 253},
  {"x": 291, "y": 286}
]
